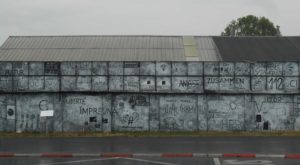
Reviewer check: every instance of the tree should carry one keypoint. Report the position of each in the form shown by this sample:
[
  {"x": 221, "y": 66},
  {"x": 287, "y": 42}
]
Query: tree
[{"x": 251, "y": 26}]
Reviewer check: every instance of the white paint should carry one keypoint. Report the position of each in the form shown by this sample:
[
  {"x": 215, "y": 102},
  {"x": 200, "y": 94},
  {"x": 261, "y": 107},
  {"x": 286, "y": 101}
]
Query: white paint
[
  {"x": 48, "y": 113},
  {"x": 78, "y": 161},
  {"x": 149, "y": 161},
  {"x": 217, "y": 161},
  {"x": 248, "y": 162},
  {"x": 92, "y": 160},
  {"x": 270, "y": 156}
]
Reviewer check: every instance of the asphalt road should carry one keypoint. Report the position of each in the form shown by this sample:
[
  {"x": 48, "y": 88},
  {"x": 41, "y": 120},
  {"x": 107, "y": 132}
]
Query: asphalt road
[
  {"x": 107, "y": 161},
  {"x": 146, "y": 161},
  {"x": 258, "y": 145}
]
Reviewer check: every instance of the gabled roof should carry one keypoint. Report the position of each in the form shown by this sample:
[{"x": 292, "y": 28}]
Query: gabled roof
[{"x": 149, "y": 48}]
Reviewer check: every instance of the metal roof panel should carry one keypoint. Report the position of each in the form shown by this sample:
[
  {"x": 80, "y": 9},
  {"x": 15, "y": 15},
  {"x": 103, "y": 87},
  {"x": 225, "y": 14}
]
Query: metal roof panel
[
  {"x": 147, "y": 48},
  {"x": 258, "y": 48}
]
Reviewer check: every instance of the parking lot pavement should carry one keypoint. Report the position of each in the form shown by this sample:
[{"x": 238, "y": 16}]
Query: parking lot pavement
[
  {"x": 258, "y": 161},
  {"x": 107, "y": 161},
  {"x": 147, "y": 161},
  {"x": 264, "y": 145},
  {"x": 151, "y": 151}
]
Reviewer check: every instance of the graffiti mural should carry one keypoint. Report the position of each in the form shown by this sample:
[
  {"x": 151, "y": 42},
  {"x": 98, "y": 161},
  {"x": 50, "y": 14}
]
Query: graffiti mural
[
  {"x": 28, "y": 109},
  {"x": 136, "y": 112},
  {"x": 202, "y": 113},
  {"x": 272, "y": 112},
  {"x": 130, "y": 112},
  {"x": 145, "y": 77},
  {"x": 83, "y": 113},
  {"x": 7, "y": 113},
  {"x": 225, "y": 113},
  {"x": 178, "y": 113},
  {"x": 297, "y": 112},
  {"x": 150, "y": 96}
]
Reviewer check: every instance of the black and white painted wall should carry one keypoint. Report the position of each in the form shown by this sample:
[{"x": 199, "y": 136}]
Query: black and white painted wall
[{"x": 149, "y": 96}]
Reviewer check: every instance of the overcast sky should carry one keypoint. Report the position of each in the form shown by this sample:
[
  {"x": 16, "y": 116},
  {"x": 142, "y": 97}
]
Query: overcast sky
[{"x": 139, "y": 17}]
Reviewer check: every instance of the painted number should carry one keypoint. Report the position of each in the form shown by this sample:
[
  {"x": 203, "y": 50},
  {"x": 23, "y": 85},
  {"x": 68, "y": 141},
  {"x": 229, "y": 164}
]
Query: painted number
[
  {"x": 276, "y": 83},
  {"x": 248, "y": 162}
]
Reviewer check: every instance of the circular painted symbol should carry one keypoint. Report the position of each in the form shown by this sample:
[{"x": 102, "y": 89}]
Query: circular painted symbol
[
  {"x": 43, "y": 105},
  {"x": 10, "y": 112}
]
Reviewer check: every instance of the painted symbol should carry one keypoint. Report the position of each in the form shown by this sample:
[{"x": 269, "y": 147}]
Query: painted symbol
[
  {"x": 130, "y": 119},
  {"x": 43, "y": 105},
  {"x": 232, "y": 106},
  {"x": 163, "y": 67},
  {"x": 97, "y": 125},
  {"x": 10, "y": 112},
  {"x": 104, "y": 120},
  {"x": 170, "y": 123},
  {"x": 93, "y": 119}
]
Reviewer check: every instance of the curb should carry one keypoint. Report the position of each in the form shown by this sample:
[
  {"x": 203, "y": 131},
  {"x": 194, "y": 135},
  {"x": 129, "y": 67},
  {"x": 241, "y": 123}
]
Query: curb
[
  {"x": 239, "y": 155},
  {"x": 292, "y": 156},
  {"x": 173, "y": 155},
  {"x": 162, "y": 155},
  {"x": 7, "y": 154},
  {"x": 121, "y": 155},
  {"x": 56, "y": 155}
]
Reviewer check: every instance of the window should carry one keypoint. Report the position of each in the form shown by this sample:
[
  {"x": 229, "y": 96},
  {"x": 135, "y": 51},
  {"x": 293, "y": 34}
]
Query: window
[{"x": 258, "y": 118}]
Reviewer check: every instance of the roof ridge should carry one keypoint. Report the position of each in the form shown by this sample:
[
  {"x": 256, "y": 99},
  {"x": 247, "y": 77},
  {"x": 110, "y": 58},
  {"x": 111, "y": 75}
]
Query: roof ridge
[
  {"x": 109, "y": 35},
  {"x": 32, "y": 36},
  {"x": 255, "y": 36},
  {"x": 84, "y": 48}
]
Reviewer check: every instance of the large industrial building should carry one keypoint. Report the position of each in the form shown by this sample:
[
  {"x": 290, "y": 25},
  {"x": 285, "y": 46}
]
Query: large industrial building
[{"x": 149, "y": 83}]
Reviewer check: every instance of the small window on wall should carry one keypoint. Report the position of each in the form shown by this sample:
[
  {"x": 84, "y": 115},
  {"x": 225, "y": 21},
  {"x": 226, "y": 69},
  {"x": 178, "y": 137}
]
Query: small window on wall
[
  {"x": 266, "y": 125},
  {"x": 163, "y": 82},
  {"x": 148, "y": 82},
  {"x": 258, "y": 118}
]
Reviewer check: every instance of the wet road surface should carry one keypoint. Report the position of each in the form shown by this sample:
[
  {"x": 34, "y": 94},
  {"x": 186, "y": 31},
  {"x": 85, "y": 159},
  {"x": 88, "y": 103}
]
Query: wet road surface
[{"x": 258, "y": 145}]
